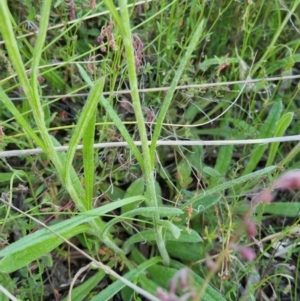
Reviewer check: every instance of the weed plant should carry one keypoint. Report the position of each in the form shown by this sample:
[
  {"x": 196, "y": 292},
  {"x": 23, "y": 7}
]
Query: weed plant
[{"x": 148, "y": 221}]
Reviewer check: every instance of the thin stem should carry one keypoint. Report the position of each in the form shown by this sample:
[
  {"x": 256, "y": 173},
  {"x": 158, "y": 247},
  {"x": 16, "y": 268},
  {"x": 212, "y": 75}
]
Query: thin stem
[{"x": 147, "y": 167}]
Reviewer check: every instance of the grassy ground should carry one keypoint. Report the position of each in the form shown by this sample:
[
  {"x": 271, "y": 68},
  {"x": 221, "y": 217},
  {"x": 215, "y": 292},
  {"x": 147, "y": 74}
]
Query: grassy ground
[{"x": 214, "y": 220}]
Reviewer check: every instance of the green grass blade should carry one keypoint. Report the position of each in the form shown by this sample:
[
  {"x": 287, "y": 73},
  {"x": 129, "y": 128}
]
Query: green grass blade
[
  {"x": 266, "y": 131},
  {"x": 12, "y": 46},
  {"x": 228, "y": 185},
  {"x": 87, "y": 113},
  {"x": 89, "y": 161},
  {"x": 224, "y": 159},
  {"x": 196, "y": 39},
  {"x": 120, "y": 126},
  {"x": 280, "y": 129},
  {"x": 20, "y": 119}
]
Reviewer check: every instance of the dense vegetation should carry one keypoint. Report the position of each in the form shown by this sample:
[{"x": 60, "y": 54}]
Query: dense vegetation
[{"x": 190, "y": 200}]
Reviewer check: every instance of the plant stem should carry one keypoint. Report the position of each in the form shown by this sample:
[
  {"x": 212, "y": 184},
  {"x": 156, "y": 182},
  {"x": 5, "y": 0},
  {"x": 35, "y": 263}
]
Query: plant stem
[{"x": 147, "y": 166}]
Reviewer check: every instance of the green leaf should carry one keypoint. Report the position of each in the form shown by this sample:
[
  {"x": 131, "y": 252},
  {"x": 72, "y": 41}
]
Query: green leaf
[
  {"x": 148, "y": 285},
  {"x": 188, "y": 252},
  {"x": 228, "y": 184},
  {"x": 41, "y": 242},
  {"x": 121, "y": 127},
  {"x": 183, "y": 173},
  {"x": 162, "y": 275},
  {"x": 176, "y": 232},
  {"x": 14, "y": 111},
  {"x": 224, "y": 159},
  {"x": 137, "y": 187},
  {"x": 83, "y": 290},
  {"x": 280, "y": 129},
  {"x": 211, "y": 172},
  {"x": 285, "y": 209},
  {"x": 112, "y": 192},
  {"x": 75, "y": 182},
  {"x": 85, "y": 76},
  {"x": 17, "y": 260},
  {"x": 89, "y": 161},
  {"x": 87, "y": 113},
  {"x": 266, "y": 131}
]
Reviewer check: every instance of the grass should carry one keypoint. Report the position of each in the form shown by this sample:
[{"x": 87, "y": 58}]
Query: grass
[{"x": 149, "y": 216}]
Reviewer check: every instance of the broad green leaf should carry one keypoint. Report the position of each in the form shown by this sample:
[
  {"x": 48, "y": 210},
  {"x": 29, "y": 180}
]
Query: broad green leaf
[
  {"x": 162, "y": 275},
  {"x": 17, "y": 260},
  {"x": 195, "y": 158},
  {"x": 280, "y": 129},
  {"x": 285, "y": 209},
  {"x": 223, "y": 163},
  {"x": 6, "y": 176},
  {"x": 267, "y": 130},
  {"x": 211, "y": 172},
  {"x": 202, "y": 205},
  {"x": 112, "y": 192},
  {"x": 188, "y": 252},
  {"x": 41, "y": 242},
  {"x": 216, "y": 61},
  {"x": 183, "y": 174},
  {"x": 148, "y": 285},
  {"x": 149, "y": 235},
  {"x": 224, "y": 159},
  {"x": 137, "y": 187}
]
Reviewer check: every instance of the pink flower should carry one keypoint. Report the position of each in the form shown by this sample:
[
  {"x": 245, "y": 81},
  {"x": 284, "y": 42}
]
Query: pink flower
[
  {"x": 264, "y": 196},
  {"x": 289, "y": 180},
  {"x": 250, "y": 226},
  {"x": 247, "y": 253}
]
